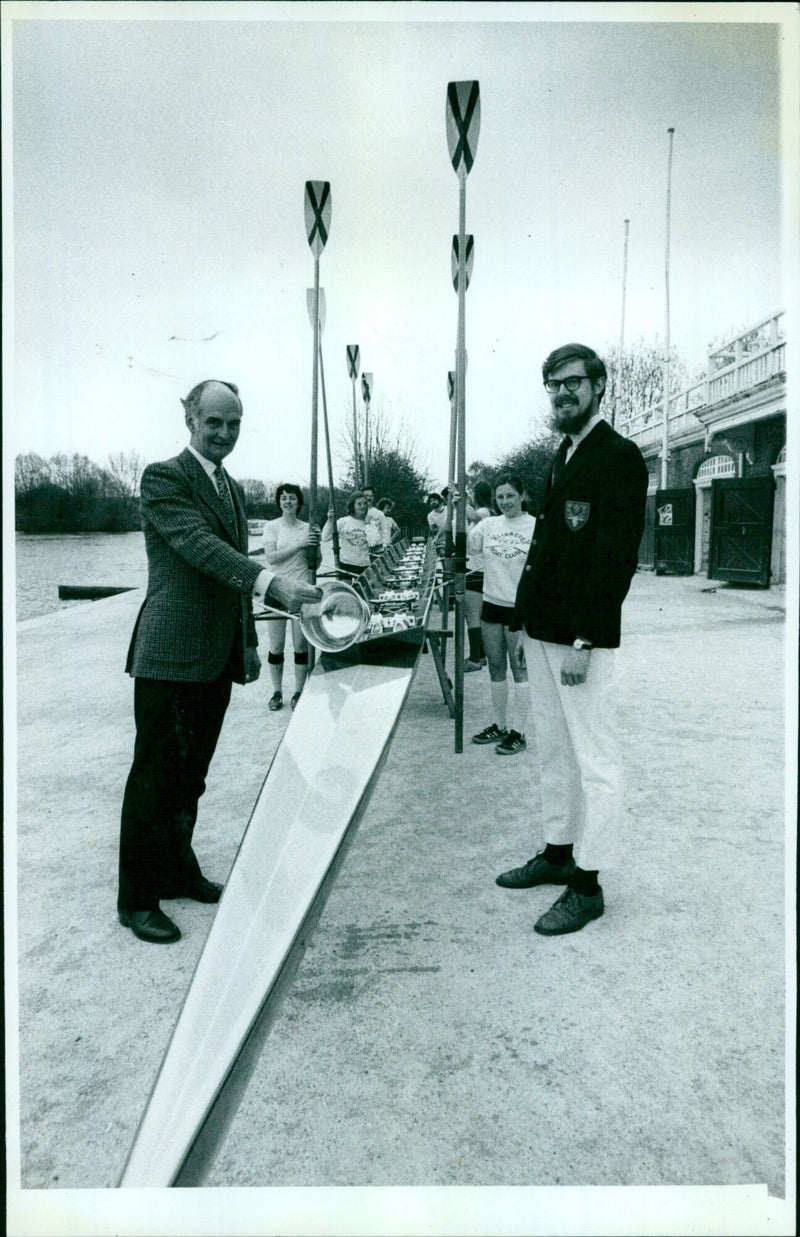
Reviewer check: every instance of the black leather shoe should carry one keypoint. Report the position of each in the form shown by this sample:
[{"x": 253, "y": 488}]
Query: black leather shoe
[
  {"x": 153, "y": 926},
  {"x": 570, "y": 912},
  {"x": 199, "y": 890},
  {"x": 537, "y": 871}
]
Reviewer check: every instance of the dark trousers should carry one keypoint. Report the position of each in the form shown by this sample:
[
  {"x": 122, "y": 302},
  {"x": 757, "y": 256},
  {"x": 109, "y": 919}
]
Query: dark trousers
[{"x": 177, "y": 727}]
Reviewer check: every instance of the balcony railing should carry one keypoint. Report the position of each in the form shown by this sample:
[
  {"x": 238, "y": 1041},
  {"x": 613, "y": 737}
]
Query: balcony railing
[{"x": 751, "y": 358}]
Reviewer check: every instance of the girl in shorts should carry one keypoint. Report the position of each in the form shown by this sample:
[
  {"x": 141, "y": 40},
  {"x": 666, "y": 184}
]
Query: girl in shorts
[
  {"x": 286, "y": 542},
  {"x": 504, "y": 541}
]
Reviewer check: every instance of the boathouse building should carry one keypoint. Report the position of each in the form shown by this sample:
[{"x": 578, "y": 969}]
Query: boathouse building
[{"x": 723, "y": 510}]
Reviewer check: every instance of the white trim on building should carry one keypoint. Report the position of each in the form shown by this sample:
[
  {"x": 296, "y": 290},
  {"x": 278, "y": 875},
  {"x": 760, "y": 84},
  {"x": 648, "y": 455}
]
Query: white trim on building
[{"x": 716, "y": 466}]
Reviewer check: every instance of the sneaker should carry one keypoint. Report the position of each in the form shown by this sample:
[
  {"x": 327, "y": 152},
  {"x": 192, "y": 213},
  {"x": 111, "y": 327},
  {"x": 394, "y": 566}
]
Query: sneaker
[
  {"x": 537, "y": 871},
  {"x": 491, "y": 734},
  {"x": 469, "y": 666},
  {"x": 569, "y": 913},
  {"x": 513, "y": 742},
  {"x": 276, "y": 701}
]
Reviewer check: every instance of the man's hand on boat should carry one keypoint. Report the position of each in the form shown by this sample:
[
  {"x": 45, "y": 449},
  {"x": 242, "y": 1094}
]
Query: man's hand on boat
[{"x": 291, "y": 594}]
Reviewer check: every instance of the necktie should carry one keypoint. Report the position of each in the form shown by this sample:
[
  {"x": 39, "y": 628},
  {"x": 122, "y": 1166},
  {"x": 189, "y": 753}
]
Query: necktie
[
  {"x": 225, "y": 495},
  {"x": 561, "y": 458}
]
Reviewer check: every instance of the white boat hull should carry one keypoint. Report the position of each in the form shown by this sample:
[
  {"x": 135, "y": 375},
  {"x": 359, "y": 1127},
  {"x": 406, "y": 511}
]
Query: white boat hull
[{"x": 306, "y": 814}]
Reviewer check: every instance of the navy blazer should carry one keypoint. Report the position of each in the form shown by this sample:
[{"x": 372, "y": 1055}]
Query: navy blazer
[
  {"x": 198, "y": 613},
  {"x": 585, "y": 547}
]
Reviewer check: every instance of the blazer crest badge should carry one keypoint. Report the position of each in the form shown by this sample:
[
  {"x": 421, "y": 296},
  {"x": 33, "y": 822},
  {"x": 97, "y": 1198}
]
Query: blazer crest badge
[{"x": 576, "y": 514}]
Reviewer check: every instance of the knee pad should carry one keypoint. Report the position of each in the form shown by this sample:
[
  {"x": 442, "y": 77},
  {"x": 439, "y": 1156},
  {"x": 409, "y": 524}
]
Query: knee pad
[
  {"x": 275, "y": 659},
  {"x": 301, "y": 659}
]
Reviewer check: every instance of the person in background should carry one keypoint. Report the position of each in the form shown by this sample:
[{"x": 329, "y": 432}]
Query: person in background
[
  {"x": 376, "y": 517},
  {"x": 504, "y": 541},
  {"x": 386, "y": 505},
  {"x": 356, "y": 536},
  {"x": 194, "y": 637},
  {"x": 286, "y": 541},
  {"x": 437, "y": 520},
  {"x": 479, "y": 509},
  {"x": 578, "y": 572}
]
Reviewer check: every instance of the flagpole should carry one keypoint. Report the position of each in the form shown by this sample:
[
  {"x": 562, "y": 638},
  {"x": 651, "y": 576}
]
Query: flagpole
[
  {"x": 618, "y": 400},
  {"x": 665, "y": 422}
]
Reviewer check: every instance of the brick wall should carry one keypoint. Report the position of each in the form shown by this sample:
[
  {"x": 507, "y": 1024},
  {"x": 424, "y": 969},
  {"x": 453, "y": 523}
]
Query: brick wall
[{"x": 769, "y": 438}]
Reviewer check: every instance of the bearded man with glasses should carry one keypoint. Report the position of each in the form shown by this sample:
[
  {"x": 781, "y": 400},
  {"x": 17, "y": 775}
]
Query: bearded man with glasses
[{"x": 578, "y": 572}]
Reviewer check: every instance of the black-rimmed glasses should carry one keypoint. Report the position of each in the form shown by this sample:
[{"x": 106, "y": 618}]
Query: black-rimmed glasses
[{"x": 571, "y": 384}]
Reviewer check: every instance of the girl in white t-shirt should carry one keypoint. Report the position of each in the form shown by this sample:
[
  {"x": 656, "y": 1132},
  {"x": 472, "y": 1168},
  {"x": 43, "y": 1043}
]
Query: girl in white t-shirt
[
  {"x": 286, "y": 541},
  {"x": 504, "y": 541},
  {"x": 356, "y": 536}
]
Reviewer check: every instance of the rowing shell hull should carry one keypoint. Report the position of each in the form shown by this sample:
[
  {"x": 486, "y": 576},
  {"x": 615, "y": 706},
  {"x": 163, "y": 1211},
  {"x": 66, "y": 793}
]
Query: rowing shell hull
[{"x": 306, "y": 815}]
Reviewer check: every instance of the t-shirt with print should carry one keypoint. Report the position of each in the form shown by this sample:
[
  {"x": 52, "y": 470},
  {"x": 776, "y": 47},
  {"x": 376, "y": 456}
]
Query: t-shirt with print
[
  {"x": 504, "y": 544},
  {"x": 356, "y": 539}
]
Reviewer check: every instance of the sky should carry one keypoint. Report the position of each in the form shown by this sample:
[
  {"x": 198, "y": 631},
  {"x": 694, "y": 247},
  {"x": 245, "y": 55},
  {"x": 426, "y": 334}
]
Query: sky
[{"x": 160, "y": 153}]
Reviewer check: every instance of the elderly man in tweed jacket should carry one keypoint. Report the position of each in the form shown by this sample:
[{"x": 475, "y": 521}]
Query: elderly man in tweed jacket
[{"x": 193, "y": 638}]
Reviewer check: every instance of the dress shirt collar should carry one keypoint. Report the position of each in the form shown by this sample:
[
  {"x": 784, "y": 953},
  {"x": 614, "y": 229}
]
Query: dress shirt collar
[{"x": 208, "y": 465}]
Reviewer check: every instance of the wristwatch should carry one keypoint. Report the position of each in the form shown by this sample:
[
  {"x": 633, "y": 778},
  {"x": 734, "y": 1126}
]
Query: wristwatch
[{"x": 582, "y": 644}]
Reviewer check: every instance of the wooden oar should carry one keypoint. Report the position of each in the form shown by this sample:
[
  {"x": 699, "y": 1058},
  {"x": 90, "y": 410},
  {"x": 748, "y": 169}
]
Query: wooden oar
[
  {"x": 462, "y": 118},
  {"x": 353, "y": 364},
  {"x": 331, "y": 502},
  {"x": 318, "y": 222}
]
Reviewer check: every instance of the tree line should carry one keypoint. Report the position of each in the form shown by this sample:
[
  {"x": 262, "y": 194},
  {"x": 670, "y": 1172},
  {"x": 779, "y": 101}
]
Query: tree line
[
  {"x": 73, "y": 494},
  {"x": 70, "y": 493}
]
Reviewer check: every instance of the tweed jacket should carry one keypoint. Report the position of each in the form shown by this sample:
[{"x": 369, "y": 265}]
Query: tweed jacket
[
  {"x": 585, "y": 547},
  {"x": 198, "y": 611}
]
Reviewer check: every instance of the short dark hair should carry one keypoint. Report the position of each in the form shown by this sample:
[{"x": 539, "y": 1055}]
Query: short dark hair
[
  {"x": 286, "y": 487},
  {"x": 510, "y": 478},
  {"x": 593, "y": 364},
  {"x": 192, "y": 402},
  {"x": 353, "y": 499},
  {"x": 482, "y": 493},
  {"x": 434, "y": 494},
  {"x": 385, "y": 503}
]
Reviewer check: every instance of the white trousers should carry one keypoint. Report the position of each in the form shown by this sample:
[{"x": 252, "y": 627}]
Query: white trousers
[{"x": 579, "y": 753}]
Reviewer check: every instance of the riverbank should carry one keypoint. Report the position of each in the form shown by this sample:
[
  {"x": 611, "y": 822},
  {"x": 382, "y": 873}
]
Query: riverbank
[{"x": 430, "y": 1038}]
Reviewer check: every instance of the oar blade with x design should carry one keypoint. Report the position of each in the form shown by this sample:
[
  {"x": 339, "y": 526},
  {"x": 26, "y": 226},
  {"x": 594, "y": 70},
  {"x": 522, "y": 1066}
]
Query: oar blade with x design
[
  {"x": 318, "y": 214},
  {"x": 463, "y": 117},
  {"x": 469, "y": 254},
  {"x": 353, "y": 360}
]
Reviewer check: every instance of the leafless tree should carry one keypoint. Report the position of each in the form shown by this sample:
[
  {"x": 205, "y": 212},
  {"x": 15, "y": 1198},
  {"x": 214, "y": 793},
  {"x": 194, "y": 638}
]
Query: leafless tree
[
  {"x": 30, "y": 471},
  {"x": 641, "y": 390},
  {"x": 126, "y": 468}
]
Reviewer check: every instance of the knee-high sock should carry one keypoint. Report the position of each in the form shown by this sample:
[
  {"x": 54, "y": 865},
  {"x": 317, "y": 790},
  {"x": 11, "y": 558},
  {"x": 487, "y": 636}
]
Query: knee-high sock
[
  {"x": 520, "y": 707},
  {"x": 499, "y": 702}
]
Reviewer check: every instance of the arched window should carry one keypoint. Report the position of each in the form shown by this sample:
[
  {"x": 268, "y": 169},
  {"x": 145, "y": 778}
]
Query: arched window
[{"x": 716, "y": 466}]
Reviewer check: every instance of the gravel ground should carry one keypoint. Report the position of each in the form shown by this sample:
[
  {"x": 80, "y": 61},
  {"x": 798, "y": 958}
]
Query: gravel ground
[{"x": 431, "y": 1039}]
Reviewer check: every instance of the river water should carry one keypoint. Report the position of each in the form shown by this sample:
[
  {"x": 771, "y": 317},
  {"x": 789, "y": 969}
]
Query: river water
[{"x": 45, "y": 560}]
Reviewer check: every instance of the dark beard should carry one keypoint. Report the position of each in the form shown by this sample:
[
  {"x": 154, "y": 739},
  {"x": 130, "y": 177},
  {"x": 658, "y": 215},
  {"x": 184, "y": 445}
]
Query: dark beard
[{"x": 571, "y": 424}]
